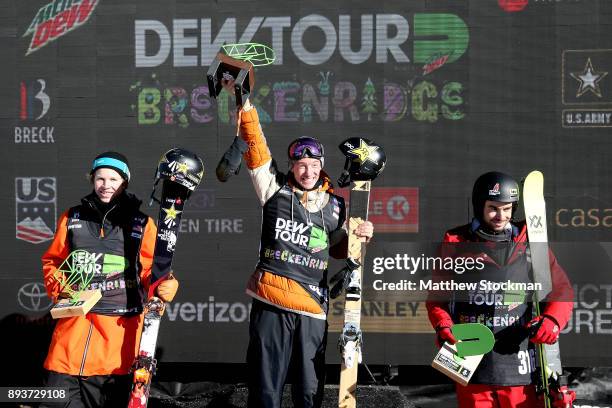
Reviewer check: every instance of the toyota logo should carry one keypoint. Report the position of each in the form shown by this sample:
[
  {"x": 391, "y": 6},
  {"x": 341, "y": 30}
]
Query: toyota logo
[{"x": 33, "y": 297}]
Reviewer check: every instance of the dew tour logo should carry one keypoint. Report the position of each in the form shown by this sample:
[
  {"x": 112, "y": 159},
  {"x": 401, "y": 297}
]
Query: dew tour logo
[
  {"x": 35, "y": 207},
  {"x": 56, "y": 19},
  {"x": 295, "y": 233}
]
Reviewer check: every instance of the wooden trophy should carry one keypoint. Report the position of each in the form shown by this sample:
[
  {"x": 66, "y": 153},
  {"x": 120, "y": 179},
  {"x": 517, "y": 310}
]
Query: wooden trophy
[{"x": 74, "y": 276}]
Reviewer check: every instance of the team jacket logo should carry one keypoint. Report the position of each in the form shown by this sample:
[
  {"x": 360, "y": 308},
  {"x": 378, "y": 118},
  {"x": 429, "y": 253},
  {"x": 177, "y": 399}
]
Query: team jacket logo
[
  {"x": 296, "y": 233},
  {"x": 35, "y": 208},
  {"x": 56, "y": 19}
]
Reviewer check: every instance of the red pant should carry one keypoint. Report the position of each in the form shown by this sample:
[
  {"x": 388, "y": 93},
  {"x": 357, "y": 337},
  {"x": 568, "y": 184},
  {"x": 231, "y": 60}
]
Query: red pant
[{"x": 493, "y": 396}]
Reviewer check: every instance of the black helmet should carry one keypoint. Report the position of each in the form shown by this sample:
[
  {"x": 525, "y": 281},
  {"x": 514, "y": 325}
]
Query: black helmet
[
  {"x": 180, "y": 166},
  {"x": 494, "y": 186},
  {"x": 365, "y": 160}
]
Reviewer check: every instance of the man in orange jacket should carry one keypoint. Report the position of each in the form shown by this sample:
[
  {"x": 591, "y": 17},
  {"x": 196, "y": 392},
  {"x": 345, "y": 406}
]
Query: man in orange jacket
[
  {"x": 92, "y": 355},
  {"x": 302, "y": 225}
]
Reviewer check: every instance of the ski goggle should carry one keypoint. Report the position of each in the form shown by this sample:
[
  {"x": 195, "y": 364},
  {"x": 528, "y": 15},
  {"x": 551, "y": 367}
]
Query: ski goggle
[{"x": 306, "y": 147}]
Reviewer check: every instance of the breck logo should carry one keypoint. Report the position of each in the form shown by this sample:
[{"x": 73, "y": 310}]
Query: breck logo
[
  {"x": 56, "y": 19},
  {"x": 34, "y": 105},
  {"x": 35, "y": 207}
]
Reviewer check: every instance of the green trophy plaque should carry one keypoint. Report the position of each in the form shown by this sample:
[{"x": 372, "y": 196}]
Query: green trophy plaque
[
  {"x": 237, "y": 64},
  {"x": 459, "y": 361},
  {"x": 74, "y": 276}
]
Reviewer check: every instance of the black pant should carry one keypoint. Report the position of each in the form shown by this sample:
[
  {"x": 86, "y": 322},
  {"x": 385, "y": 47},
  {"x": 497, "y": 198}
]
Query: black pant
[
  {"x": 94, "y": 391},
  {"x": 280, "y": 340}
]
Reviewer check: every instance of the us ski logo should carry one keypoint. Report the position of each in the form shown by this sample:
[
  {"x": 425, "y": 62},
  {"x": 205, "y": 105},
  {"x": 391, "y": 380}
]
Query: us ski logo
[
  {"x": 57, "y": 19},
  {"x": 35, "y": 208}
]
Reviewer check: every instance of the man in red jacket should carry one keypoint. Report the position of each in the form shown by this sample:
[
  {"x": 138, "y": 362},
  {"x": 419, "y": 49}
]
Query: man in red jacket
[{"x": 506, "y": 375}]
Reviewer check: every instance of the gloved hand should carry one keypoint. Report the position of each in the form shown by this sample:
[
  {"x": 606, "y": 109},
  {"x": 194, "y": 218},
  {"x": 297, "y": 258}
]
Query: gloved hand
[
  {"x": 444, "y": 334},
  {"x": 167, "y": 289},
  {"x": 543, "y": 329},
  {"x": 229, "y": 165}
]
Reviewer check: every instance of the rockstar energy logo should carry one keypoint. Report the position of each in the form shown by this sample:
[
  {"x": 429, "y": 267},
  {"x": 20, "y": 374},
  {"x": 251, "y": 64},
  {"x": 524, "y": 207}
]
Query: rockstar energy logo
[{"x": 57, "y": 19}]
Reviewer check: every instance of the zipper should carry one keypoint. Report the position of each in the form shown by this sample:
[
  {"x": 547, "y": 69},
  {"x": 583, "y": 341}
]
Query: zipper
[
  {"x": 86, "y": 348},
  {"x": 104, "y": 219}
]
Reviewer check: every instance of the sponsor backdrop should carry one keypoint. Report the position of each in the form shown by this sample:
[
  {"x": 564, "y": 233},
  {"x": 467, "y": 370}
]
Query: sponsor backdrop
[{"x": 450, "y": 88}]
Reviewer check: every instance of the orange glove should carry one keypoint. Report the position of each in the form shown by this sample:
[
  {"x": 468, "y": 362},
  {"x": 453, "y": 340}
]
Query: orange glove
[{"x": 167, "y": 289}]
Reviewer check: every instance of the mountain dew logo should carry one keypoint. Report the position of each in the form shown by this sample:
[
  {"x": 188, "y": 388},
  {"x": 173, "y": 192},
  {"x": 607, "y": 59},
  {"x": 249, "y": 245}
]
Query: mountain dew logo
[
  {"x": 56, "y": 19},
  {"x": 318, "y": 240}
]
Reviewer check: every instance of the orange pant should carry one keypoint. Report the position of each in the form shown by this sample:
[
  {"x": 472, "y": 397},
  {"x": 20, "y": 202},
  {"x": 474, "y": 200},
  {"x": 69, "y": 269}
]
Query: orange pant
[{"x": 493, "y": 396}]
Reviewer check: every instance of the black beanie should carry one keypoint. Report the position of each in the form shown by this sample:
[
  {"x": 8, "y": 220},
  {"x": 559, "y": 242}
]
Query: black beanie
[{"x": 112, "y": 160}]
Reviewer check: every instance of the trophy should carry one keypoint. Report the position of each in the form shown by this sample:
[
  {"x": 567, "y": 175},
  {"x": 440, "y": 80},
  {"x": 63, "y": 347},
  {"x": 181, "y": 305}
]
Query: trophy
[
  {"x": 459, "y": 361},
  {"x": 74, "y": 276},
  {"x": 237, "y": 64}
]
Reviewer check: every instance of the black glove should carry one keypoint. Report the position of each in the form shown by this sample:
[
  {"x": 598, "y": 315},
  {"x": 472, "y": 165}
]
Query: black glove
[{"x": 229, "y": 165}]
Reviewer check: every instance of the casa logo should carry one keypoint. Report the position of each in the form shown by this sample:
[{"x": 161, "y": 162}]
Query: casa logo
[
  {"x": 586, "y": 88},
  {"x": 33, "y": 297},
  {"x": 295, "y": 233},
  {"x": 35, "y": 208},
  {"x": 584, "y": 217},
  {"x": 34, "y": 104},
  {"x": 392, "y": 209},
  {"x": 56, "y": 19}
]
